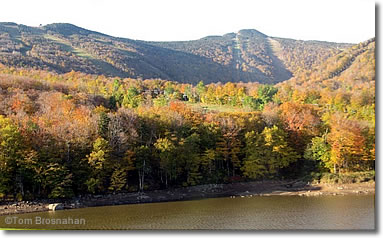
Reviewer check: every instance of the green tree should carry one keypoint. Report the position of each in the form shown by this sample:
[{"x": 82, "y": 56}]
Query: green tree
[
  {"x": 160, "y": 101},
  {"x": 250, "y": 102},
  {"x": 115, "y": 100},
  {"x": 281, "y": 153},
  {"x": 166, "y": 149},
  {"x": 118, "y": 180},
  {"x": 254, "y": 165},
  {"x": 97, "y": 160},
  {"x": 320, "y": 151},
  {"x": 103, "y": 124},
  {"x": 265, "y": 94},
  {"x": 58, "y": 181},
  {"x": 132, "y": 98},
  {"x": 11, "y": 151},
  {"x": 100, "y": 153},
  {"x": 190, "y": 153},
  {"x": 207, "y": 162},
  {"x": 92, "y": 184},
  {"x": 169, "y": 91},
  {"x": 200, "y": 89}
]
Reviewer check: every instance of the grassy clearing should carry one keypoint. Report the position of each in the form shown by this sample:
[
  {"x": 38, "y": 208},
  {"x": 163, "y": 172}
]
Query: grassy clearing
[
  {"x": 56, "y": 39},
  {"x": 215, "y": 108},
  {"x": 105, "y": 67},
  {"x": 82, "y": 53},
  {"x": 68, "y": 47},
  {"x": 275, "y": 46}
]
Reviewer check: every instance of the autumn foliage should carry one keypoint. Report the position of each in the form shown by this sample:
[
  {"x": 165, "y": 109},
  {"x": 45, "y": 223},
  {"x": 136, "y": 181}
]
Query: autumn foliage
[{"x": 70, "y": 134}]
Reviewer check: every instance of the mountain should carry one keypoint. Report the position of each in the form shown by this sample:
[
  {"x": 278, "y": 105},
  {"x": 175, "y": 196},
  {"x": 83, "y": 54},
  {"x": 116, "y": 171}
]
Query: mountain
[
  {"x": 352, "y": 67},
  {"x": 247, "y": 56}
]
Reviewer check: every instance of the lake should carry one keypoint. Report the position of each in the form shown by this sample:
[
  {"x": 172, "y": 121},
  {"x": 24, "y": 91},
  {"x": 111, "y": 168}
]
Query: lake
[{"x": 258, "y": 213}]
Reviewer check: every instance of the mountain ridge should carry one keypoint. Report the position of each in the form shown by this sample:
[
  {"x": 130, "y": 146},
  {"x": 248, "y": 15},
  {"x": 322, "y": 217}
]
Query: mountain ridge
[
  {"x": 246, "y": 55},
  {"x": 353, "y": 66}
]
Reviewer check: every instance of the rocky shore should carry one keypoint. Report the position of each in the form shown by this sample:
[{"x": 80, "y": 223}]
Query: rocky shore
[{"x": 248, "y": 189}]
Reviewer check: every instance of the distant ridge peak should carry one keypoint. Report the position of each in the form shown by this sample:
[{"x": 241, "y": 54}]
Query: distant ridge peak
[
  {"x": 251, "y": 32},
  {"x": 243, "y": 32},
  {"x": 69, "y": 29},
  {"x": 8, "y": 23}
]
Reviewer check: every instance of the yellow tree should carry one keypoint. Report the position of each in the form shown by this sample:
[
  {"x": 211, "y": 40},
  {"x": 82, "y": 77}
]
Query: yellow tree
[
  {"x": 267, "y": 153},
  {"x": 347, "y": 144}
]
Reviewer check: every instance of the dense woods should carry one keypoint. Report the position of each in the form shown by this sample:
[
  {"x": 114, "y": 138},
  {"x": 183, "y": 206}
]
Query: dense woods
[{"x": 62, "y": 135}]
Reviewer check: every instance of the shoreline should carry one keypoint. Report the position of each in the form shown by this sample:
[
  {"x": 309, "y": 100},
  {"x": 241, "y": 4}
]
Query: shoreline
[{"x": 242, "y": 189}]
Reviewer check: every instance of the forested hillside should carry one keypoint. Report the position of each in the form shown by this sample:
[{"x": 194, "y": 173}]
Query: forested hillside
[
  {"x": 245, "y": 56},
  {"x": 352, "y": 67},
  {"x": 85, "y": 113},
  {"x": 63, "y": 135}
]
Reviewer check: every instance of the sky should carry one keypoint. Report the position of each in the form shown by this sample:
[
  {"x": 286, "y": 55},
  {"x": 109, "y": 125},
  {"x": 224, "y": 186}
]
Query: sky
[{"x": 349, "y": 21}]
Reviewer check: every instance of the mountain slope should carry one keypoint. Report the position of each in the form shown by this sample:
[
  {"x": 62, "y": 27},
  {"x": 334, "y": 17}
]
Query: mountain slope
[
  {"x": 248, "y": 55},
  {"x": 350, "y": 68}
]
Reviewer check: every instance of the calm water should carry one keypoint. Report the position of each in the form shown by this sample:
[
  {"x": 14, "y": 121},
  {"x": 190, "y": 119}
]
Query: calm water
[{"x": 275, "y": 212}]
